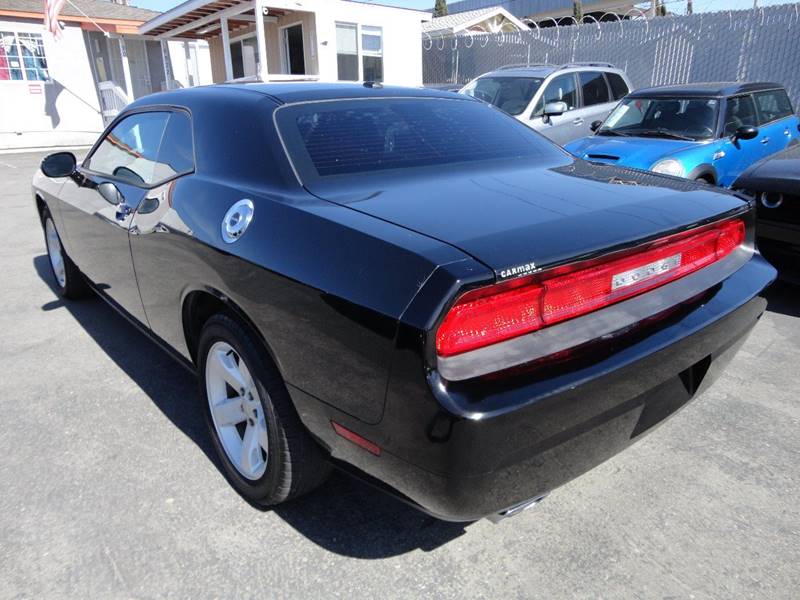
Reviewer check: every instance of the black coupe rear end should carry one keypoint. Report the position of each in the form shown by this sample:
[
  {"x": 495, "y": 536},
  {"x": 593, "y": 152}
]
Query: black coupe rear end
[{"x": 412, "y": 286}]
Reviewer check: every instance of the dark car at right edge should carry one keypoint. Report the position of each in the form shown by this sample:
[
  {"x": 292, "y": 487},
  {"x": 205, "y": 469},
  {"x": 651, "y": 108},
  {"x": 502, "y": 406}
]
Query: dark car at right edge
[
  {"x": 774, "y": 183},
  {"x": 408, "y": 284}
]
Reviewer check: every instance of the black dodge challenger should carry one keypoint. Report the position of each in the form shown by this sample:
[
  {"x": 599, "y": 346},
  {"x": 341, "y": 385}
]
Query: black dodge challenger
[
  {"x": 404, "y": 283},
  {"x": 774, "y": 183}
]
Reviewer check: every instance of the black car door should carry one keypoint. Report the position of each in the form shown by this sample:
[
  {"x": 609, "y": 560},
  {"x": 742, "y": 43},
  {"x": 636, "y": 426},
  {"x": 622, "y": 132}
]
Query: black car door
[{"x": 99, "y": 201}]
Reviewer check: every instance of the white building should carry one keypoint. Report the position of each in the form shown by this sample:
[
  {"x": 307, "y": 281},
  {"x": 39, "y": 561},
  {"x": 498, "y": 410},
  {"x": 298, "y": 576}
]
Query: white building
[
  {"x": 327, "y": 40},
  {"x": 494, "y": 19},
  {"x": 63, "y": 92}
]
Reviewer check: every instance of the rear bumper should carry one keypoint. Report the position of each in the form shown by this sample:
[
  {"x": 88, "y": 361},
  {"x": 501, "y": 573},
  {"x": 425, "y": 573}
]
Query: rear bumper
[{"x": 463, "y": 451}]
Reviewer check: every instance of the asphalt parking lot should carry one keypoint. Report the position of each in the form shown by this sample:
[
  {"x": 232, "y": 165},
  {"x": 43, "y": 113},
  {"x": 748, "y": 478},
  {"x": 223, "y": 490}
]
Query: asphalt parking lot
[{"x": 109, "y": 488}]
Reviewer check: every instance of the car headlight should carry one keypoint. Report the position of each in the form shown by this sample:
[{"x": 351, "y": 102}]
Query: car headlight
[{"x": 669, "y": 166}]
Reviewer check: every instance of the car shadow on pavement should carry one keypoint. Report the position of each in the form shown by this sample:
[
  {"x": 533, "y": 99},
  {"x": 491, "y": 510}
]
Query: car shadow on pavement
[
  {"x": 344, "y": 515},
  {"x": 783, "y": 297}
]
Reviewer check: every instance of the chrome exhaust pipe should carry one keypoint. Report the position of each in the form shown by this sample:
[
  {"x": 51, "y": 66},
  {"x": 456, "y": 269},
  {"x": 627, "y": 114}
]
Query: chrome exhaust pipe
[{"x": 515, "y": 509}]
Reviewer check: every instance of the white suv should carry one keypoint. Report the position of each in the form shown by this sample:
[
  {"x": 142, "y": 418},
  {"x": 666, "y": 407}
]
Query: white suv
[{"x": 560, "y": 102}]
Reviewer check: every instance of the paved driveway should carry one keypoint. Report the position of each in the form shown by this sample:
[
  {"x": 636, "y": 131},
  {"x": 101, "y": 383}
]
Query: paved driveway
[{"x": 108, "y": 487}]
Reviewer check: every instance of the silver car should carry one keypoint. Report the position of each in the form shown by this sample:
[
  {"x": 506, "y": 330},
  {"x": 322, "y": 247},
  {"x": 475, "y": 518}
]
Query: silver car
[{"x": 560, "y": 102}]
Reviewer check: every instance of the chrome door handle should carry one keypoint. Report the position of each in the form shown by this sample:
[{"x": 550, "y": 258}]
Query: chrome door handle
[
  {"x": 765, "y": 140},
  {"x": 577, "y": 121}
]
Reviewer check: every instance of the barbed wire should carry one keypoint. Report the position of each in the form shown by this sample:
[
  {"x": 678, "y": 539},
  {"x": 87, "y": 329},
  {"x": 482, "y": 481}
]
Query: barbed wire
[{"x": 570, "y": 23}]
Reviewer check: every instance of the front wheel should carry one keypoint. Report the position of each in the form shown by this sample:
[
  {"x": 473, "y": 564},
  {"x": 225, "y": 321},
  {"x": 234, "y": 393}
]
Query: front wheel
[
  {"x": 69, "y": 280},
  {"x": 266, "y": 453}
]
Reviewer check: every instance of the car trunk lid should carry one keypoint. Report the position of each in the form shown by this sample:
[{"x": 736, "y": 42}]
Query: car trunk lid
[{"x": 520, "y": 218}]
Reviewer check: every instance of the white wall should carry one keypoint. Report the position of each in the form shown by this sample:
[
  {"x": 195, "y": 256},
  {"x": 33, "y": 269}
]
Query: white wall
[
  {"x": 402, "y": 31},
  {"x": 66, "y": 112}
]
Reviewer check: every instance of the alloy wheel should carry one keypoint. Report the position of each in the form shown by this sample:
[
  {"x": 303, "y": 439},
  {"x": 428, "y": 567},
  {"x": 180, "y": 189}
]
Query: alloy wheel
[
  {"x": 55, "y": 252},
  {"x": 236, "y": 411}
]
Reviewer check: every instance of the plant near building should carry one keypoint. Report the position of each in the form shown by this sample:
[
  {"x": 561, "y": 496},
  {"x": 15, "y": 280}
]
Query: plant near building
[{"x": 440, "y": 8}]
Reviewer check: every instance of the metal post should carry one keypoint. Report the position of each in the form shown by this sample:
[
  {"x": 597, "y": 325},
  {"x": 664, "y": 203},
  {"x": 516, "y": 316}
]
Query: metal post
[
  {"x": 226, "y": 48},
  {"x": 166, "y": 63},
  {"x": 263, "y": 67},
  {"x": 126, "y": 70}
]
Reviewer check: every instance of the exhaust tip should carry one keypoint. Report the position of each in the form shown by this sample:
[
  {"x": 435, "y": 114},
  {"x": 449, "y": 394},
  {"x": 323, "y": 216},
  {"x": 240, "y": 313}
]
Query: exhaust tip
[{"x": 516, "y": 509}]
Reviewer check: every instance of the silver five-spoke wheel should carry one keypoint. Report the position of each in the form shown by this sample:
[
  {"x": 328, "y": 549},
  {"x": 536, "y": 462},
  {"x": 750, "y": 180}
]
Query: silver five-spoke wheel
[
  {"x": 55, "y": 252},
  {"x": 236, "y": 411}
]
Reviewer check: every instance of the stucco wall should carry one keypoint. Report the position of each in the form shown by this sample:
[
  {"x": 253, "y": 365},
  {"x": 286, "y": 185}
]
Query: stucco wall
[
  {"x": 402, "y": 55},
  {"x": 402, "y": 30},
  {"x": 66, "y": 112}
]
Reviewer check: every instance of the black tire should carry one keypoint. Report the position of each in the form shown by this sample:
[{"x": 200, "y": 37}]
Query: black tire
[
  {"x": 296, "y": 464},
  {"x": 74, "y": 285}
]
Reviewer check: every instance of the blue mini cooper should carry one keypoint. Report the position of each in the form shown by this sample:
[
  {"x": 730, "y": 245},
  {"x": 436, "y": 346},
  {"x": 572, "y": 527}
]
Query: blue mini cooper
[{"x": 704, "y": 131}]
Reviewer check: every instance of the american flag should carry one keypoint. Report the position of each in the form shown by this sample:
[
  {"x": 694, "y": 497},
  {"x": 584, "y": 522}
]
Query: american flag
[{"x": 51, "y": 10}]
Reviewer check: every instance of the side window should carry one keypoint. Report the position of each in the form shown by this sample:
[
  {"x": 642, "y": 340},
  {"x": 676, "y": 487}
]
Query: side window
[
  {"x": 772, "y": 105},
  {"x": 176, "y": 154},
  {"x": 619, "y": 89},
  {"x": 739, "y": 111},
  {"x": 594, "y": 88},
  {"x": 129, "y": 150},
  {"x": 560, "y": 89}
]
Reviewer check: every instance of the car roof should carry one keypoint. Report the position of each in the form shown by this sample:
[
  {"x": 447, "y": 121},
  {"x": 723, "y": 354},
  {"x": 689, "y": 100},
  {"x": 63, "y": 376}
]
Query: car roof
[
  {"x": 543, "y": 70},
  {"x": 521, "y": 72},
  {"x": 709, "y": 90},
  {"x": 306, "y": 91},
  {"x": 287, "y": 93}
]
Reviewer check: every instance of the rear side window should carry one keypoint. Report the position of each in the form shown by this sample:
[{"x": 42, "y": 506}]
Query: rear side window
[
  {"x": 593, "y": 87},
  {"x": 177, "y": 150},
  {"x": 772, "y": 105},
  {"x": 740, "y": 111},
  {"x": 619, "y": 89},
  {"x": 361, "y": 136}
]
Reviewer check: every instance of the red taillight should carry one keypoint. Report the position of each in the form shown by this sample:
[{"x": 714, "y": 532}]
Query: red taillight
[{"x": 489, "y": 315}]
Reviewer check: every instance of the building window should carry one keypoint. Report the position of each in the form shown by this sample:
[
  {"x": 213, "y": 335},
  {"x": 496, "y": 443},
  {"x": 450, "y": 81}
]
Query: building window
[
  {"x": 372, "y": 53},
  {"x": 347, "y": 51},
  {"x": 22, "y": 57},
  {"x": 244, "y": 57}
]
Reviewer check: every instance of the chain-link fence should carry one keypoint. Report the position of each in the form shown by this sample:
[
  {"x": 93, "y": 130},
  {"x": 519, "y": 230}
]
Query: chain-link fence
[{"x": 761, "y": 44}]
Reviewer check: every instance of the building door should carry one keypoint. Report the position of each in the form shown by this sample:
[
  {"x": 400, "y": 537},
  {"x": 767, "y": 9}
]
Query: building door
[{"x": 294, "y": 61}]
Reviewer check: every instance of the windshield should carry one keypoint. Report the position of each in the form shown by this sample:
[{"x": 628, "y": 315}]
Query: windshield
[
  {"x": 675, "y": 118},
  {"x": 342, "y": 138},
  {"x": 510, "y": 94}
]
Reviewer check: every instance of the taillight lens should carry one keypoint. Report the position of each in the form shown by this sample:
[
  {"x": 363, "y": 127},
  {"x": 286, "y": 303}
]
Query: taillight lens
[{"x": 499, "y": 312}]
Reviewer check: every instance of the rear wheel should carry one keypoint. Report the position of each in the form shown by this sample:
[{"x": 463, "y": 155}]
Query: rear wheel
[
  {"x": 266, "y": 453},
  {"x": 69, "y": 281}
]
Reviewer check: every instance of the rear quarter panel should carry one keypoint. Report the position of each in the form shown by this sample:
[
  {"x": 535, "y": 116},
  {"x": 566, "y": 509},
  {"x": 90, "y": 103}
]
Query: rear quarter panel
[{"x": 323, "y": 284}]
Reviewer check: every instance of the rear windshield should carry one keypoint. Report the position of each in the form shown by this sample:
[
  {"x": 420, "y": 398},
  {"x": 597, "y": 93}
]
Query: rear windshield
[{"x": 337, "y": 138}]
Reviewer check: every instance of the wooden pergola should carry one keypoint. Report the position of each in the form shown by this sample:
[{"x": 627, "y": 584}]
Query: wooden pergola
[{"x": 204, "y": 19}]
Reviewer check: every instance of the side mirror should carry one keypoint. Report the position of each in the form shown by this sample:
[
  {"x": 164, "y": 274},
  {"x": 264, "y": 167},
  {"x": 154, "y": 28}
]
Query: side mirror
[
  {"x": 60, "y": 164},
  {"x": 554, "y": 109},
  {"x": 110, "y": 193},
  {"x": 745, "y": 132},
  {"x": 595, "y": 125}
]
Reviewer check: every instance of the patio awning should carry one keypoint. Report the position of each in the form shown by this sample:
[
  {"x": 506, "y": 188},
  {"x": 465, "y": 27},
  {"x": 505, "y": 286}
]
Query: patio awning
[{"x": 200, "y": 19}]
